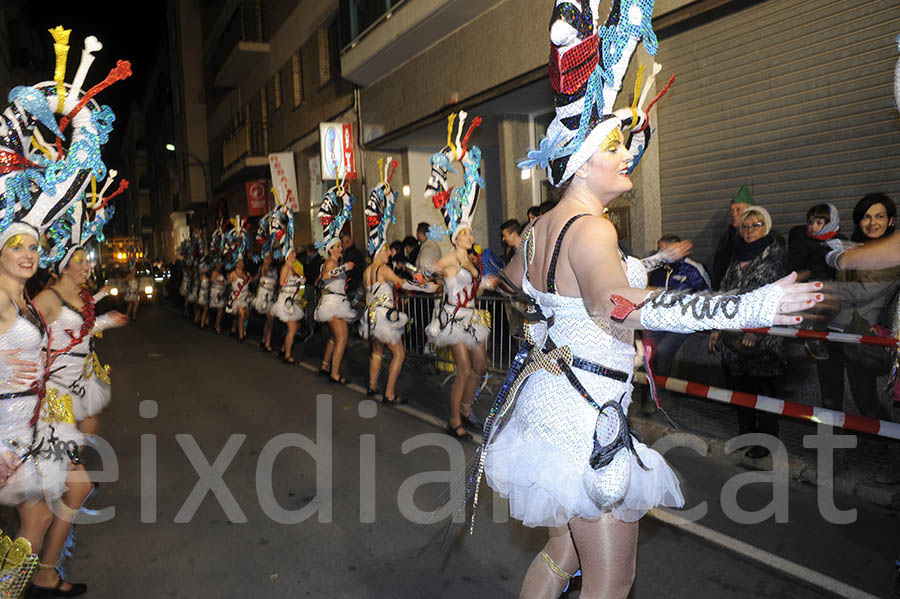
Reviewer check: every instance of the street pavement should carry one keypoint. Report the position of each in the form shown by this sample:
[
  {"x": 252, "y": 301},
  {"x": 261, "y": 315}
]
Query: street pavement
[{"x": 188, "y": 401}]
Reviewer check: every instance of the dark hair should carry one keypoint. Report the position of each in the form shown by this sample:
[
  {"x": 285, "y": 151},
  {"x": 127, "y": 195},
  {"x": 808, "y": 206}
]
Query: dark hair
[
  {"x": 547, "y": 206},
  {"x": 512, "y": 225},
  {"x": 819, "y": 211},
  {"x": 862, "y": 206},
  {"x": 669, "y": 239},
  {"x": 396, "y": 246},
  {"x": 422, "y": 228},
  {"x": 534, "y": 211},
  {"x": 410, "y": 241},
  {"x": 345, "y": 232}
]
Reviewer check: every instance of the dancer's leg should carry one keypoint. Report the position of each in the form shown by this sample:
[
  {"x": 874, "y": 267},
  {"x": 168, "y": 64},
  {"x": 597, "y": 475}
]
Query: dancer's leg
[
  {"x": 341, "y": 332},
  {"x": 329, "y": 352},
  {"x": 460, "y": 382},
  {"x": 289, "y": 338},
  {"x": 35, "y": 519},
  {"x": 607, "y": 550},
  {"x": 479, "y": 367},
  {"x": 398, "y": 354},
  {"x": 267, "y": 331},
  {"x": 375, "y": 363},
  {"x": 552, "y": 568},
  {"x": 78, "y": 485}
]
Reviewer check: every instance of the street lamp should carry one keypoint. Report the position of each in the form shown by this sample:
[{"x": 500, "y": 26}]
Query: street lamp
[{"x": 203, "y": 167}]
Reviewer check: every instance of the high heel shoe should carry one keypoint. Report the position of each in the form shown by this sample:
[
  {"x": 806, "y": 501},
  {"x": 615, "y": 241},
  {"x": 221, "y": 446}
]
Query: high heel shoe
[
  {"x": 371, "y": 392},
  {"x": 395, "y": 401},
  {"x": 454, "y": 431},
  {"x": 468, "y": 421}
]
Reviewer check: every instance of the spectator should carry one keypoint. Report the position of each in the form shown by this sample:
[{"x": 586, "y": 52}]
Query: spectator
[
  {"x": 806, "y": 255},
  {"x": 511, "y": 235},
  {"x": 684, "y": 274},
  {"x": 397, "y": 260},
  {"x": 428, "y": 252},
  {"x": 722, "y": 258},
  {"x": 752, "y": 362},
  {"x": 865, "y": 296},
  {"x": 313, "y": 264},
  {"x": 533, "y": 213},
  {"x": 410, "y": 249},
  {"x": 352, "y": 254}
]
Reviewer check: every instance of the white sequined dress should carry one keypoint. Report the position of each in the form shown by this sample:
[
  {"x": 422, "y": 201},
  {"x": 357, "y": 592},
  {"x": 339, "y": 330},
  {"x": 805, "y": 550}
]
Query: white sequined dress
[
  {"x": 287, "y": 306},
  {"x": 334, "y": 302},
  {"x": 265, "y": 292},
  {"x": 132, "y": 295},
  {"x": 203, "y": 296},
  {"x": 382, "y": 318},
  {"x": 239, "y": 294},
  {"x": 217, "y": 293},
  {"x": 538, "y": 458},
  {"x": 48, "y": 444},
  {"x": 455, "y": 319},
  {"x": 77, "y": 373}
]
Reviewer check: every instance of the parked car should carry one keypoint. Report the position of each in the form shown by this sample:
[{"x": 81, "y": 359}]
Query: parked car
[{"x": 147, "y": 285}]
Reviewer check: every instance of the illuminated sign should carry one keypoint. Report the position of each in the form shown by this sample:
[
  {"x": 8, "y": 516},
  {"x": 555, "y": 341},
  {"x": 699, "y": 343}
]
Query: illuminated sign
[{"x": 336, "y": 150}]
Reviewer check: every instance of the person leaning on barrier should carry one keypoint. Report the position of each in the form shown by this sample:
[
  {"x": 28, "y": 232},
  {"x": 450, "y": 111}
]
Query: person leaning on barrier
[
  {"x": 510, "y": 235},
  {"x": 752, "y": 362},
  {"x": 428, "y": 251}
]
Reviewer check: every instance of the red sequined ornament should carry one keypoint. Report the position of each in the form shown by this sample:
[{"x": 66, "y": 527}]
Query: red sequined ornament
[
  {"x": 569, "y": 71},
  {"x": 440, "y": 199}
]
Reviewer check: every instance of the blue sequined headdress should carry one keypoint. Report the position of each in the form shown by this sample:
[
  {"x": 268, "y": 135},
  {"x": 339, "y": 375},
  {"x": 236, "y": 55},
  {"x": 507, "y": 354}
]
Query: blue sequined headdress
[
  {"x": 235, "y": 243},
  {"x": 380, "y": 207},
  {"x": 82, "y": 222},
  {"x": 40, "y": 181},
  {"x": 457, "y": 205},
  {"x": 275, "y": 233},
  {"x": 336, "y": 210},
  {"x": 587, "y": 65}
]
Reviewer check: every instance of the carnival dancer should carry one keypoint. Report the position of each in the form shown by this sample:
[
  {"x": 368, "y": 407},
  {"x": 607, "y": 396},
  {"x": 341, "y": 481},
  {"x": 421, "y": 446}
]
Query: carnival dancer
[
  {"x": 334, "y": 306},
  {"x": 45, "y": 180},
  {"x": 382, "y": 322},
  {"x": 69, "y": 309},
  {"x": 276, "y": 234},
  {"x": 265, "y": 299},
  {"x": 203, "y": 296},
  {"x": 564, "y": 455},
  {"x": 238, "y": 300},
  {"x": 217, "y": 294},
  {"x": 184, "y": 289},
  {"x": 458, "y": 323},
  {"x": 133, "y": 297}
]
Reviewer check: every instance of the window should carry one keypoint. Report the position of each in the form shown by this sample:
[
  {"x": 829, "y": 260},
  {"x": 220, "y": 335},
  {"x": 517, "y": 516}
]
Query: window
[
  {"x": 276, "y": 96},
  {"x": 297, "y": 72}
]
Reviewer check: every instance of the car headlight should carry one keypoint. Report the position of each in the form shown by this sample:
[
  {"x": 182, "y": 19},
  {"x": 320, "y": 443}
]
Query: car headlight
[
  {"x": 114, "y": 291},
  {"x": 148, "y": 289}
]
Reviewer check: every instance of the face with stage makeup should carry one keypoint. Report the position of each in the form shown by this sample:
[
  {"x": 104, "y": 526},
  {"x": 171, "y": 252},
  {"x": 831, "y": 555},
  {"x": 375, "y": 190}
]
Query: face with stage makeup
[
  {"x": 19, "y": 257},
  {"x": 464, "y": 239},
  {"x": 78, "y": 268},
  {"x": 606, "y": 172}
]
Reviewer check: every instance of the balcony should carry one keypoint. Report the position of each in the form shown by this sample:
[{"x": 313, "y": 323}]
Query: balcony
[
  {"x": 247, "y": 147},
  {"x": 240, "y": 47},
  {"x": 384, "y": 34}
]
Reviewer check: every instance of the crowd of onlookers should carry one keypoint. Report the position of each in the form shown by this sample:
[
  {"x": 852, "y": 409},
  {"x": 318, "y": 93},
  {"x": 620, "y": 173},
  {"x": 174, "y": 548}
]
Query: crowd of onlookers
[{"x": 751, "y": 253}]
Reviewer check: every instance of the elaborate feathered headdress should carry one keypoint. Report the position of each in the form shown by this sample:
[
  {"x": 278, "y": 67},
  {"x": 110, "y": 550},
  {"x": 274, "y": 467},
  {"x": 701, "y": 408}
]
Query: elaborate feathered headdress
[
  {"x": 380, "y": 206},
  {"x": 587, "y": 65},
  {"x": 235, "y": 243},
  {"x": 335, "y": 211},
  {"x": 83, "y": 221},
  {"x": 275, "y": 233},
  {"x": 457, "y": 205},
  {"x": 40, "y": 181}
]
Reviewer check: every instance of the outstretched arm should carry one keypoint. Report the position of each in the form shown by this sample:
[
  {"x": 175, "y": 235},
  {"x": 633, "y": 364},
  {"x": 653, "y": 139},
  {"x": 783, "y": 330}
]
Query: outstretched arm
[
  {"x": 596, "y": 263},
  {"x": 883, "y": 253}
]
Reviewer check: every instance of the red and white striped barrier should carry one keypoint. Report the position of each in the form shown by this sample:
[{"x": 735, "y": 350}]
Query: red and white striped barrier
[
  {"x": 827, "y": 336},
  {"x": 860, "y": 424}
]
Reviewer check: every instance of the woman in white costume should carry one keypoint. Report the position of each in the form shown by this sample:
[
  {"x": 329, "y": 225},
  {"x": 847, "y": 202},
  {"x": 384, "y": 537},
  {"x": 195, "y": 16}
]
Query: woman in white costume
[
  {"x": 458, "y": 323},
  {"x": 48, "y": 484},
  {"x": 288, "y": 306},
  {"x": 69, "y": 309},
  {"x": 237, "y": 299},
  {"x": 382, "y": 322},
  {"x": 217, "y": 294},
  {"x": 265, "y": 298},
  {"x": 202, "y": 310},
  {"x": 565, "y": 456},
  {"x": 334, "y": 306}
]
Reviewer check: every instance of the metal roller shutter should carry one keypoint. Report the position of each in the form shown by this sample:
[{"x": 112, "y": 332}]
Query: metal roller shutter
[{"x": 793, "y": 97}]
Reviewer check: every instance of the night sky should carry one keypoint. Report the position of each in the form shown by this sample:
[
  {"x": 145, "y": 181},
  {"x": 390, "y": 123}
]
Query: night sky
[{"x": 133, "y": 31}]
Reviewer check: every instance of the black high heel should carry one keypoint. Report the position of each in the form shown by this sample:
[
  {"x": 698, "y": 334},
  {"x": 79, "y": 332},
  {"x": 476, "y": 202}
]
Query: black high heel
[
  {"x": 453, "y": 431},
  {"x": 395, "y": 401}
]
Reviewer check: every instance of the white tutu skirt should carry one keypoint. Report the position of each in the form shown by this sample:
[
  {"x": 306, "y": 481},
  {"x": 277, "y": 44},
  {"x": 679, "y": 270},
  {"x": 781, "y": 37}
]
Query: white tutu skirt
[
  {"x": 132, "y": 296},
  {"x": 203, "y": 300},
  {"x": 286, "y": 308},
  {"x": 42, "y": 476},
  {"x": 388, "y": 326},
  {"x": 334, "y": 305},
  {"x": 216, "y": 300},
  {"x": 539, "y": 458},
  {"x": 185, "y": 288},
  {"x": 264, "y": 301},
  {"x": 472, "y": 327}
]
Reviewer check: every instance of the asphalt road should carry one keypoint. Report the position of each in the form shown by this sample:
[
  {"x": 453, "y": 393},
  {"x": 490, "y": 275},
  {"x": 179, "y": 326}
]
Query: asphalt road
[{"x": 353, "y": 521}]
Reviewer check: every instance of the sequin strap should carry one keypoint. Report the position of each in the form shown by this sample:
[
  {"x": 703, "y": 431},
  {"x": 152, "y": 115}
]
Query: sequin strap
[{"x": 551, "y": 271}]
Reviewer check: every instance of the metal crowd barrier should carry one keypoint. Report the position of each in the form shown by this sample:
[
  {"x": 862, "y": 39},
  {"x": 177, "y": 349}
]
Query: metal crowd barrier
[{"x": 502, "y": 344}]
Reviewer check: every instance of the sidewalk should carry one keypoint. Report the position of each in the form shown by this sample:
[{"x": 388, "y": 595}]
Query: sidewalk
[{"x": 713, "y": 423}]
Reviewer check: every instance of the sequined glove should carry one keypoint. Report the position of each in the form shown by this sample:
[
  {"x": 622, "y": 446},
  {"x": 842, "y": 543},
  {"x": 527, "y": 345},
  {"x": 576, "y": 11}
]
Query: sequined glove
[
  {"x": 656, "y": 260},
  {"x": 425, "y": 287},
  {"x": 336, "y": 272},
  {"x": 680, "y": 312},
  {"x": 100, "y": 295}
]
